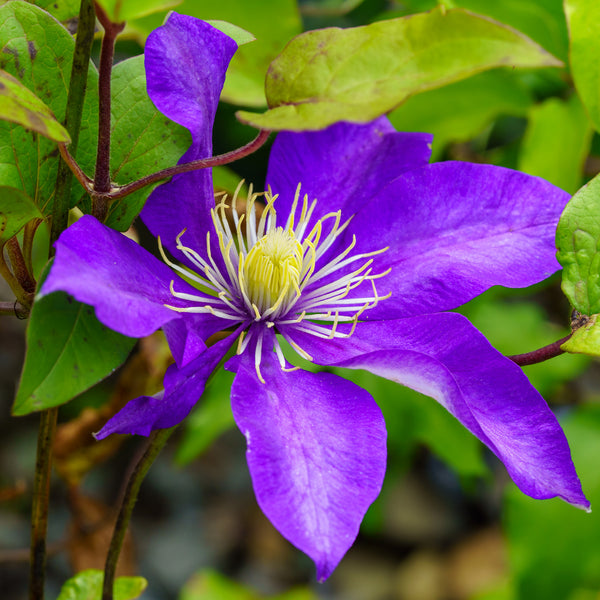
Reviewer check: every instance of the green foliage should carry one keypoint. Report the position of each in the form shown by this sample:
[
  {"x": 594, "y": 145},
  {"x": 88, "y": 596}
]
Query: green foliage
[
  {"x": 38, "y": 51},
  {"x": 358, "y": 74},
  {"x": 119, "y": 11},
  {"x": 553, "y": 546},
  {"x": 144, "y": 140},
  {"x": 214, "y": 586},
  {"x": 577, "y": 240},
  {"x": 583, "y": 17},
  {"x": 557, "y": 142},
  {"x": 460, "y": 111},
  {"x": 87, "y": 585},
  {"x": 16, "y": 210},
  {"x": 19, "y": 105},
  {"x": 68, "y": 351},
  {"x": 272, "y": 22}
]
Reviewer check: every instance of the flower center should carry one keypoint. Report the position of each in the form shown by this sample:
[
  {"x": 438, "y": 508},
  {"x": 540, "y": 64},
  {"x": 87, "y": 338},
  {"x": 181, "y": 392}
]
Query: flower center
[
  {"x": 272, "y": 269},
  {"x": 268, "y": 276}
]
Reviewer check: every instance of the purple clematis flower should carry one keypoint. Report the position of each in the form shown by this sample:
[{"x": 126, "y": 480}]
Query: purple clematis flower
[{"x": 359, "y": 249}]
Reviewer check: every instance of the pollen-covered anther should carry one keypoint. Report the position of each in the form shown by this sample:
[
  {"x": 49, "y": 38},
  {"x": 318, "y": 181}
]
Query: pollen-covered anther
[{"x": 272, "y": 270}]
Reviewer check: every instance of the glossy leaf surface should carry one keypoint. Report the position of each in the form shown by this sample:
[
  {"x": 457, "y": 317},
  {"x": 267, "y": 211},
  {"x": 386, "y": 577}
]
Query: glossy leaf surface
[
  {"x": 357, "y": 74},
  {"x": 68, "y": 351},
  {"x": 578, "y": 242}
]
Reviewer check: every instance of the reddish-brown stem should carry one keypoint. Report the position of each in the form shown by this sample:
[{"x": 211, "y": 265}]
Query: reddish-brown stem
[
  {"x": 83, "y": 179},
  {"x": 102, "y": 174},
  {"x": 203, "y": 163},
  {"x": 19, "y": 267},
  {"x": 540, "y": 355},
  {"x": 22, "y": 296}
]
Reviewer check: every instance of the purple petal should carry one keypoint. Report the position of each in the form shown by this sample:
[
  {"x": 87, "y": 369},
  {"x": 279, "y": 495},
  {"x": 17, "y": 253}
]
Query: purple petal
[
  {"x": 186, "y": 60},
  {"x": 444, "y": 356},
  {"x": 456, "y": 229},
  {"x": 183, "y": 388},
  {"x": 344, "y": 165},
  {"x": 316, "y": 453},
  {"x": 187, "y": 336},
  {"x": 126, "y": 285}
]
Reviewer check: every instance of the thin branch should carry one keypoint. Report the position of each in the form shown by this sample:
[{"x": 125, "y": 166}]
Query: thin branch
[
  {"x": 155, "y": 444},
  {"x": 83, "y": 179},
  {"x": 102, "y": 174},
  {"x": 22, "y": 296},
  {"x": 15, "y": 309},
  {"x": 203, "y": 163},
  {"x": 41, "y": 499},
  {"x": 542, "y": 354}
]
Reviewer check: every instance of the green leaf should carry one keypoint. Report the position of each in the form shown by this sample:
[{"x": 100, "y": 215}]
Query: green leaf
[
  {"x": 121, "y": 10},
  {"x": 583, "y": 17},
  {"x": 210, "y": 418},
  {"x": 143, "y": 140},
  {"x": 586, "y": 339},
  {"x": 272, "y": 22},
  {"x": 16, "y": 210},
  {"x": 460, "y": 111},
  {"x": 557, "y": 142},
  {"x": 553, "y": 547},
  {"x": 63, "y": 10},
  {"x": 87, "y": 585},
  {"x": 239, "y": 35},
  {"x": 210, "y": 585},
  {"x": 213, "y": 585},
  {"x": 578, "y": 240},
  {"x": 541, "y": 20},
  {"x": 19, "y": 105},
  {"x": 37, "y": 50},
  {"x": 68, "y": 351},
  {"x": 360, "y": 73}
]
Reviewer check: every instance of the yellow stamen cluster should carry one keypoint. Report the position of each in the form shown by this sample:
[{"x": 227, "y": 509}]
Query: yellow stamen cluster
[{"x": 272, "y": 269}]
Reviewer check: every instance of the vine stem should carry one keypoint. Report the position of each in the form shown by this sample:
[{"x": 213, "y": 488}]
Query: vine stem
[
  {"x": 154, "y": 445},
  {"x": 107, "y": 53},
  {"x": 60, "y": 211},
  {"x": 540, "y": 355},
  {"x": 116, "y": 192},
  {"x": 41, "y": 499}
]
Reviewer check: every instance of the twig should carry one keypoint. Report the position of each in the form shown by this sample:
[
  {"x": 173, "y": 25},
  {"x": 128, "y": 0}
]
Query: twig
[
  {"x": 155, "y": 444},
  {"x": 540, "y": 355}
]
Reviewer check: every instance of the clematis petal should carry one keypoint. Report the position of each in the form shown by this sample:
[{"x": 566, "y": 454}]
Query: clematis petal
[
  {"x": 183, "y": 388},
  {"x": 186, "y": 60},
  {"x": 316, "y": 453},
  {"x": 126, "y": 285},
  {"x": 187, "y": 337},
  {"x": 456, "y": 229},
  {"x": 344, "y": 165},
  {"x": 444, "y": 356}
]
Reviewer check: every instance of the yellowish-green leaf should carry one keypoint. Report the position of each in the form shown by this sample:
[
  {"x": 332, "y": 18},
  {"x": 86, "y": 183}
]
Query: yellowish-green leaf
[
  {"x": 124, "y": 10},
  {"x": 557, "y": 142},
  {"x": 583, "y": 18},
  {"x": 272, "y": 22},
  {"x": 360, "y": 73},
  {"x": 87, "y": 585},
  {"x": 16, "y": 210},
  {"x": 20, "y": 105},
  {"x": 586, "y": 339}
]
